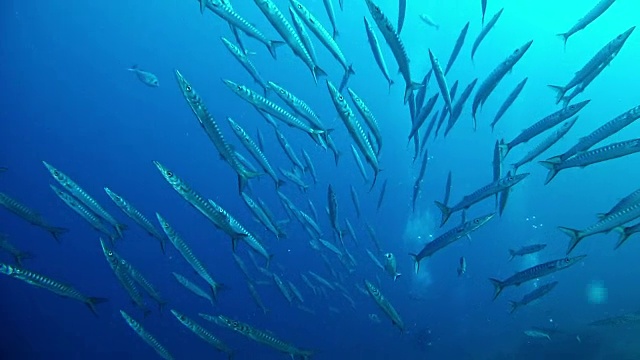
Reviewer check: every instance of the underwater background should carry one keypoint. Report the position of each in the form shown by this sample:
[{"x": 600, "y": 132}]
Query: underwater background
[{"x": 68, "y": 99}]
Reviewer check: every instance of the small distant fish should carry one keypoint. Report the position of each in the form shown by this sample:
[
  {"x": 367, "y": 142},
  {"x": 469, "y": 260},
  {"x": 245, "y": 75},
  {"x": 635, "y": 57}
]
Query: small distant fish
[
  {"x": 391, "y": 265},
  {"x": 533, "y": 296},
  {"x": 146, "y": 77},
  {"x": 427, "y": 20},
  {"x": 526, "y": 250},
  {"x": 537, "y": 334},
  {"x": 457, "y": 47},
  {"x": 508, "y": 102},
  {"x": 30, "y": 216},
  {"x": 485, "y": 30},
  {"x": 592, "y": 15},
  {"x": 146, "y": 336},
  {"x": 462, "y": 266}
]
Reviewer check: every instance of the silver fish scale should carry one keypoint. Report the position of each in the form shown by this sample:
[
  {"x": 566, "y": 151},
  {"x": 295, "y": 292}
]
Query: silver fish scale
[
  {"x": 302, "y": 33},
  {"x": 267, "y": 105},
  {"x": 614, "y": 220},
  {"x": 244, "y": 60},
  {"x": 253, "y": 148},
  {"x": 89, "y": 216},
  {"x": 44, "y": 282},
  {"x": 546, "y": 143},
  {"x": 250, "y": 239},
  {"x": 601, "y": 154},
  {"x": 17, "y": 207},
  {"x": 238, "y": 21}
]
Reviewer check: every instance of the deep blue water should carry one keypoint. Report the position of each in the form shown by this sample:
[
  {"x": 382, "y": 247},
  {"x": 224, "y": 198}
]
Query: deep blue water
[{"x": 68, "y": 99}]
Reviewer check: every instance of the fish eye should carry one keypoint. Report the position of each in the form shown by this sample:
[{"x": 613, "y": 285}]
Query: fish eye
[
  {"x": 300, "y": 6},
  {"x": 340, "y": 97},
  {"x": 510, "y": 178},
  {"x": 169, "y": 174},
  {"x": 110, "y": 253},
  {"x": 122, "y": 262},
  {"x": 476, "y": 221},
  {"x": 281, "y": 91},
  {"x": 188, "y": 88},
  {"x": 566, "y": 260},
  {"x": 56, "y": 173}
]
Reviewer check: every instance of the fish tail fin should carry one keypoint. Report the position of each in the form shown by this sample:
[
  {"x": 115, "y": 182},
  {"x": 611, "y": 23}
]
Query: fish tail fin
[
  {"x": 269, "y": 258},
  {"x": 119, "y": 229},
  {"x": 395, "y": 277},
  {"x": 56, "y": 232},
  {"x": 215, "y": 288},
  {"x": 23, "y": 256},
  {"x": 280, "y": 183},
  {"x": 575, "y": 235},
  {"x": 203, "y": 5},
  {"x": 559, "y": 92},
  {"x": 565, "y": 37},
  {"x": 416, "y": 262},
  {"x": 318, "y": 71},
  {"x": 446, "y": 212},
  {"x": 273, "y": 45},
  {"x": 512, "y": 254},
  {"x": 235, "y": 238},
  {"x": 163, "y": 246},
  {"x": 498, "y": 286},
  {"x": 514, "y": 306},
  {"x": 390, "y": 83},
  {"x": 336, "y": 156},
  {"x": 161, "y": 305},
  {"x": 551, "y": 165},
  {"x": 93, "y": 301},
  {"x": 133, "y": 67},
  {"x": 335, "y": 33},
  {"x": 408, "y": 90},
  {"x": 624, "y": 235},
  {"x": 504, "y": 148}
]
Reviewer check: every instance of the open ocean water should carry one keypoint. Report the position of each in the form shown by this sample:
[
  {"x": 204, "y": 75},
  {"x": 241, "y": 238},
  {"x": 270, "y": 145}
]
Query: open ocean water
[{"x": 69, "y": 99}]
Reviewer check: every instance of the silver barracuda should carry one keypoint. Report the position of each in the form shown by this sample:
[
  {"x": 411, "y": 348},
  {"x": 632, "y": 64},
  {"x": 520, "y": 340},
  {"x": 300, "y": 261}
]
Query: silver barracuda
[
  {"x": 85, "y": 213},
  {"x": 532, "y": 296},
  {"x": 31, "y": 216},
  {"x": 377, "y": 52},
  {"x": 368, "y": 117},
  {"x": 263, "y": 217},
  {"x": 189, "y": 285},
  {"x": 587, "y": 19},
  {"x": 385, "y": 305},
  {"x": 146, "y": 336},
  {"x": 545, "y": 144},
  {"x": 485, "y": 30},
  {"x": 513, "y": 95},
  {"x": 298, "y": 106},
  {"x": 243, "y": 59},
  {"x": 203, "y": 333},
  {"x": 301, "y": 30}
]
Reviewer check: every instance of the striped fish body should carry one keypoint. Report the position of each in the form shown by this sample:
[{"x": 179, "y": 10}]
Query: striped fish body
[
  {"x": 611, "y": 127},
  {"x": 250, "y": 239},
  {"x": 261, "y": 216},
  {"x": 146, "y": 336},
  {"x": 485, "y": 30},
  {"x": 377, "y": 52},
  {"x": 85, "y": 213},
  {"x": 489, "y": 84},
  {"x": 546, "y": 143},
  {"x": 368, "y": 117},
  {"x": 202, "y": 333},
  {"x": 513, "y": 95},
  {"x": 457, "y": 47},
  {"x": 397, "y": 47},
  {"x": 533, "y": 295},
  {"x": 535, "y": 272},
  {"x": 77, "y": 192},
  {"x": 140, "y": 280},
  {"x": 301, "y": 30},
  {"x": 449, "y": 238},
  {"x": 212, "y": 129},
  {"x": 283, "y": 288},
  {"x": 189, "y": 285},
  {"x": 46, "y": 283},
  {"x": 298, "y": 106},
  {"x": 137, "y": 216},
  {"x": 288, "y": 150},
  {"x": 385, "y": 305},
  {"x": 289, "y": 34},
  {"x": 243, "y": 59},
  {"x": 593, "y": 14},
  {"x": 254, "y": 150},
  {"x": 459, "y": 105},
  {"x": 198, "y": 202},
  {"x": 256, "y": 297},
  {"x": 31, "y": 216},
  {"x": 544, "y": 124}
]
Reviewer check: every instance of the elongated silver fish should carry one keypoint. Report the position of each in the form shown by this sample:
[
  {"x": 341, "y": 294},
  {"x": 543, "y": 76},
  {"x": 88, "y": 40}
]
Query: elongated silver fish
[
  {"x": 31, "y": 216},
  {"x": 545, "y": 144},
  {"x": 263, "y": 337},
  {"x": 301, "y": 30},
  {"x": 54, "y": 286},
  {"x": 543, "y": 125},
  {"x": 446, "y": 110},
  {"x": 533, "y": 273},
  {"x": 251, "y": 240},
  {"x": 243, "y": 59},
  {"x": 85, "y": 213},
  {"x": 125, "y": 279},
  {"x": 323, "y": 35},
  {"x": 297, "y": 105},
  {"x": 359, "y": 164},
  {"x": 532, "y": 296},
  {"x": 391, "y": 265},
  {"x": 368, "y": 117},
  {"x": 189, "y": 256},
  {"x": 457, "y": 47},
  {"x": 526, "y": 250},
  {"x": 485, "y": 30},
  {"x": 140, "y": 280},
  {"x": 440, "y": 78},
  {"x": 594, "y": 65},
  {"x": 513, "y": 95},
  {"x": 265, "y": 105},
  {"x": 308, "y": 166},
  {"x": 197, "y": 201},
  {"x": 146, "y": 336},
  {"x": 77, "y": 192},
  {"x": 328, "y": 6},
  {"x": 626, "y": 232},
  {"x": 191, "y": 286},
  {"x": 422, "y": 91},
  {"x": 587, "y": 19},
  {"x": 137, "y": 216},
  {"x": 385, "y": 305},
  {"x": 203, "y": 333},
  {"x": 590, "y": 157},
  {"x": 625, "y": 202},
  {"x": 459, "y": 105},
  {"x": 354, "y": 128},
  {"x": 259, "y": 213},
  {"x": 238, "y": 22},
  {"x": 284, "y": 290},
  {"x": 484, "y": 192},
  {"x": 449, "y": 238},
  {"x": 255, "y": 151},
  {"x": 8, "y": 247},
  {"x": 256, "y": 297},
  {"x": 489, "y": 84},
  {"x": 604, "y": 225},
  {"x": 288, "y": 150},
  {"x": 294, "y": 178},
  {"x": 397, "y": 47},
  {"x": 289, "y": 34},
  {"x": 213, "y": 130},
  {"x": 356, "y": 200},
  {"x": 447, "y": 189},
  {"x": 609, "y": 128},
  {"x": 377, "y": 52}
]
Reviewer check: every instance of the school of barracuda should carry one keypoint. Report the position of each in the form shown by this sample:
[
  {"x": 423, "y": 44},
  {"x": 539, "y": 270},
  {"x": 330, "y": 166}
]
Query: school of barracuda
[{"x": 305, "y": 33}]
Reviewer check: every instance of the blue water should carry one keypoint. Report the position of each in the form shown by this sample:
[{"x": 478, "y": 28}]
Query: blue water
[{"x": 68, "y": 99}]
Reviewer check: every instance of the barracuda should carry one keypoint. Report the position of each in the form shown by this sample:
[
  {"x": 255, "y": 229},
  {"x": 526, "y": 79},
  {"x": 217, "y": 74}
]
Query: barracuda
[
  {"x": 85, "y": 213},
  {"x": 385, "y": 305},
  {"x": 203, "y": 333},
  {"x": 31, "y": 216},
  {"x": 146, "y": 336}
]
